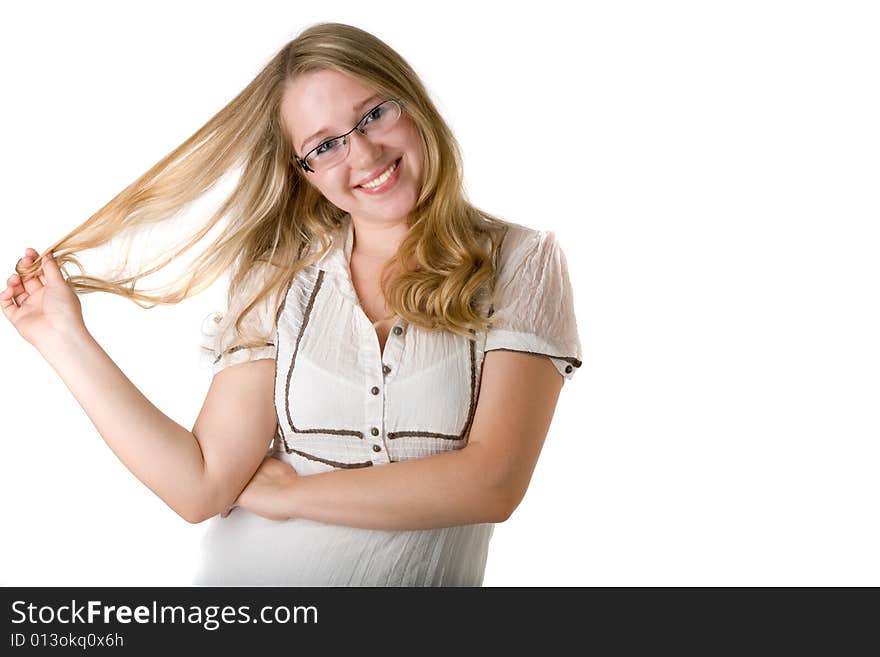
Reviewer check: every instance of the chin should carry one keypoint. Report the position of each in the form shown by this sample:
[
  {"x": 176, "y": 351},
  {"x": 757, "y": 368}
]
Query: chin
[{"x": 400, "y": 205}]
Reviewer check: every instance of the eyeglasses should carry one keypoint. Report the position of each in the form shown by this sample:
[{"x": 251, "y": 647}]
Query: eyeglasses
[{"x": 331, "y": 152}]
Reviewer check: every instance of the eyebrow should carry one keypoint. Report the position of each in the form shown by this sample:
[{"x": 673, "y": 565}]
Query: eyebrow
[{"x": 322, "y": 131}]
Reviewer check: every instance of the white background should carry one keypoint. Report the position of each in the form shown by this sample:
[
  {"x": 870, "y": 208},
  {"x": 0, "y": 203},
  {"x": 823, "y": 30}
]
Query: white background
[{"x": 711, "y": 171}]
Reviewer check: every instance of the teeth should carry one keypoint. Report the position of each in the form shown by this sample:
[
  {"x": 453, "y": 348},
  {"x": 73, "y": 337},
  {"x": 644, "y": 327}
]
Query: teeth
[{"x": 375, "y": 182}]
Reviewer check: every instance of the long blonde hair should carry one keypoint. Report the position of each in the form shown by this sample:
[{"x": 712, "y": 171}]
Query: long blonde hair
[{"x": 273, "y": 215}]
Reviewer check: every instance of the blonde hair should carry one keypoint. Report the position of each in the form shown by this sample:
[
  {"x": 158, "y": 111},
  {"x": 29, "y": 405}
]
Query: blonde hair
[{"x": 273, "y": 215}]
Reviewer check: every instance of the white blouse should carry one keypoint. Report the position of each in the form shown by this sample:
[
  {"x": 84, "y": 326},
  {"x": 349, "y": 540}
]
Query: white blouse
[{"x": 341, "y": 402}]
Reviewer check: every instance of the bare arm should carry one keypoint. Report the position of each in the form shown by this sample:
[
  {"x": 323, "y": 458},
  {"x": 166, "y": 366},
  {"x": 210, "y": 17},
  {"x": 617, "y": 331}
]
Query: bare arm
[
  {"x": 190, "y": 470},
  {"x": 434, "y": 491},
  {"x": 483, "y": 482},
  {"x": 158, "y": 451},
  {"x": 163, "y": 455}
]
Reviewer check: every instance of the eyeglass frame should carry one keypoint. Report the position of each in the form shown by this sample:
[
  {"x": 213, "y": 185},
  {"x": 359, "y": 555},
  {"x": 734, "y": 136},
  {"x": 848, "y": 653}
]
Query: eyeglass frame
[{"x": 302, "y": 162}]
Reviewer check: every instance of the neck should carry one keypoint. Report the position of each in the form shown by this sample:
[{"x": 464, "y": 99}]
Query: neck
[{"x": 377, "y": 240}]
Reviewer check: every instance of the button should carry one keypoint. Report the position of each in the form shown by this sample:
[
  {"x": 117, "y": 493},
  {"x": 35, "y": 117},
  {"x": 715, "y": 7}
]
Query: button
[
  {"x": 568, "y": 369},
  {"x": 385, "y": 369},
  {"x": 374, "y": 390},
  {"x": 375, "y": 431},
  {"x": 397, "y": 330},
  {"x": 377, "y": 448}
]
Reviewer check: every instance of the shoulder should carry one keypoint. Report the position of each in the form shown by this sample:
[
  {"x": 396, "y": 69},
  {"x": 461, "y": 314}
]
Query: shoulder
[
  {"x": 261, "y": 283},
  {"x": 523, "y": 246}
]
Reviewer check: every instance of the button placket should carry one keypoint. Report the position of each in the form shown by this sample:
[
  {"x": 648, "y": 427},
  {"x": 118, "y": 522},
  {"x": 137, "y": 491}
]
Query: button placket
[
  {"x": 374, "y": 403},
  {"x": 393, "y": 349},
  {"x": 375, "y": 432},
  {"x": 376, "y": 411},
  {"x": 390, "y": 357},
  {"x": 375, "y": 408}
]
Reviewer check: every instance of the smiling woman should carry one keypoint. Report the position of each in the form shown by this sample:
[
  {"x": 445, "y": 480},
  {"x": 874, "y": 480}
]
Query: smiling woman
[
  {"x": 372, "y": 170},
  {"x": 390, "y": 357}
]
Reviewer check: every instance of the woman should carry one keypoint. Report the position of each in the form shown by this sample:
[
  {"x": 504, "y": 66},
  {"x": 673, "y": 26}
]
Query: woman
[{"x": 390, "y": 358}]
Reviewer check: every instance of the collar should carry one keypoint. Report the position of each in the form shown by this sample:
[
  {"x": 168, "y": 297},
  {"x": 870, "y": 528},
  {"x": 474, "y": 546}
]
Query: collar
[{"x": 336, "y": 261}]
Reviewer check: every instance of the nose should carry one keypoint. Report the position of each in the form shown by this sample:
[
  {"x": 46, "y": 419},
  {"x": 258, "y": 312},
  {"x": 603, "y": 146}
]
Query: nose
[{"x": 363, "y": 151}]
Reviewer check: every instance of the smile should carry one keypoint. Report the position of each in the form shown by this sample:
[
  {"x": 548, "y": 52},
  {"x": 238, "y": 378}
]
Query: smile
[{"x": 384, "y": 181}]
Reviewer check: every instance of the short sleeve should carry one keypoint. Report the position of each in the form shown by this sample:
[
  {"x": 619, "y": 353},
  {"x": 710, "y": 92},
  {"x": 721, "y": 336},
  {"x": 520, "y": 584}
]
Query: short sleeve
[
  {"x": 533, "y": 303},
  {"x": 222, "y": 343}
]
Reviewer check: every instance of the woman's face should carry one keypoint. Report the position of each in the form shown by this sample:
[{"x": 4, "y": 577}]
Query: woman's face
[{"x": 330, "y": 104}]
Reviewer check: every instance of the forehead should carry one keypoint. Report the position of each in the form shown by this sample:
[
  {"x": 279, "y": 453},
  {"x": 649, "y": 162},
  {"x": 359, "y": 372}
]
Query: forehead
[{"x": 321, "y": 101}]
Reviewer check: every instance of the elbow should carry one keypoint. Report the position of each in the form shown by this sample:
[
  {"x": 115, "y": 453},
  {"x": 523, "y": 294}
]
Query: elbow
[
  {"x": 195, "y": 513},
  {"x": 510, "y": 492},
  {"x": 497, "y": 485},
  {"x": 194, "y": 519},
  {"x": 501, "y": 516},
  {"x": 187, "y": 511},
  {"x": 505, "y": 506},
  {"x": 192, "y": 516},
  {"x": 203, "y": 506}
]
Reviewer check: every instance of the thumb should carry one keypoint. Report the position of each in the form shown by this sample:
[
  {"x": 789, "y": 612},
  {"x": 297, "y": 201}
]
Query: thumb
[{"x": 50, "y": 268}]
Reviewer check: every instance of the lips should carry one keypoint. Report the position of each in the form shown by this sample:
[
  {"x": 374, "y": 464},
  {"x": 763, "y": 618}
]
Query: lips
[{"x": 378, "y": 172}]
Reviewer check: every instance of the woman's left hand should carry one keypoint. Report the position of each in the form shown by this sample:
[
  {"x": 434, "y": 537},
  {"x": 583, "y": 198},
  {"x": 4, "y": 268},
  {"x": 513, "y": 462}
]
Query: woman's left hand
[{"x": 265, "y": 494}]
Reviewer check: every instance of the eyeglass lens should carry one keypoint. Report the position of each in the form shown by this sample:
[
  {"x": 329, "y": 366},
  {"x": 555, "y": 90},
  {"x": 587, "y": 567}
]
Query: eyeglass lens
[{"x": 333, "y": 151}]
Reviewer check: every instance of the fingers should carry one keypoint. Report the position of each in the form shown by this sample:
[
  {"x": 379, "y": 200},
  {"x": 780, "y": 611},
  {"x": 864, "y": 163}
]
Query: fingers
[
  {"x": 6, "y": 302},
  {"x": 19, "y": 289},
  {"x": 51, "y": 272},
  {"x": 34, "y": 283},
  {"x": 15, "y": 291}
]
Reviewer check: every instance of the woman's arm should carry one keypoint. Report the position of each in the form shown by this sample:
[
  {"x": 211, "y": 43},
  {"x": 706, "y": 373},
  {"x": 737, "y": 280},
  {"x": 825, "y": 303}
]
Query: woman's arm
[
  {"x": 159, "y": 452},
  {"x": 189, "y": 470},
  {"x": 483, "y": 482},
  {"x": 442, "y": 490}
]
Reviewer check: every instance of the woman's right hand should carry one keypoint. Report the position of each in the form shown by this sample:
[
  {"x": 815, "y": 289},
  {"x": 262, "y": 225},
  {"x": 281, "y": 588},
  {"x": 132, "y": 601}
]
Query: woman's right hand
[{"x": 43, "y": 307}]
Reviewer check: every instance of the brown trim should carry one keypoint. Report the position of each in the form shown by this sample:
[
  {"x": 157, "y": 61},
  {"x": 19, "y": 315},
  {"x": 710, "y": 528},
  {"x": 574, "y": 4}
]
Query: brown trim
[
  {"x": 312, "y": 457},
  {"x": 302, "y": 247},
  {"x": 337, "y": 464},
  {"x": 278, "y": 432},
  {"x": 234, "y": 349},
  {"x": 359, "y": 434},
  {"x": 302, "y": 328},
  {"x": 471, "y": 409},
  {"x": 282, "y": 304},
  {"x": 568, "y": 359},
  {"x": 495, "y": 257}
]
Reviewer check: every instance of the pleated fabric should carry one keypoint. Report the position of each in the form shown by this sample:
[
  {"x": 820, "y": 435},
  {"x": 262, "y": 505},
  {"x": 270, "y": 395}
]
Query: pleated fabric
[
  {"x": 246, "y": 549},
  {"x": 343, "y": 402}
]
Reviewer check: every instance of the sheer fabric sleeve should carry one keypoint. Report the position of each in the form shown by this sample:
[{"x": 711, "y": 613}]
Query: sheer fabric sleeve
[
  {"x": 533, "y": 303},
  {"x": 222, "y": 343}
]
